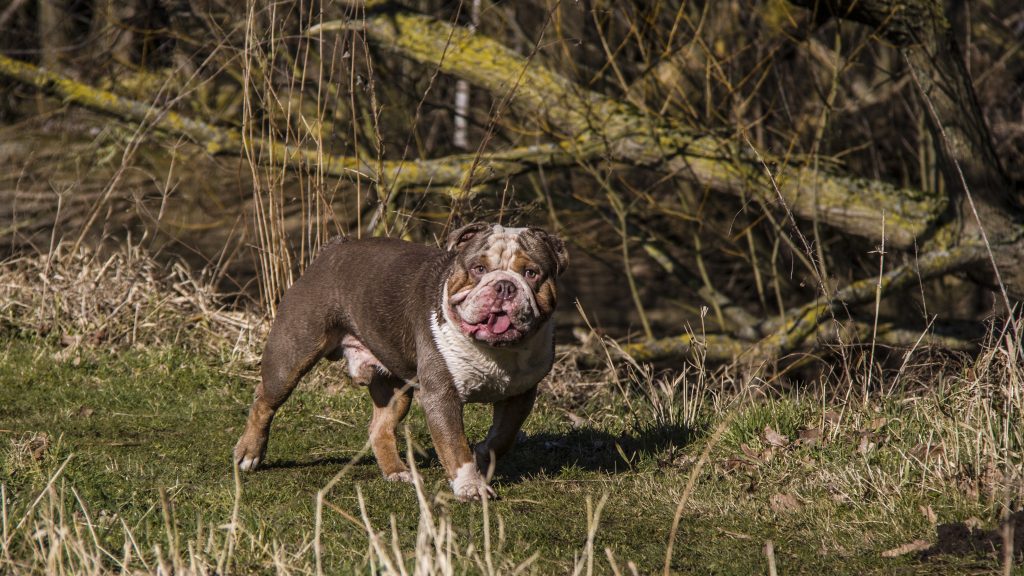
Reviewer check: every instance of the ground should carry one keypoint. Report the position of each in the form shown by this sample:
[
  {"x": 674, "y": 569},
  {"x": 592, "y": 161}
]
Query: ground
[{"x": 112, "y": 458}]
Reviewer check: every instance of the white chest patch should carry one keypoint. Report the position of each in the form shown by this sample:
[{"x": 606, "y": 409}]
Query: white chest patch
[{"x": 486, "y": 374}]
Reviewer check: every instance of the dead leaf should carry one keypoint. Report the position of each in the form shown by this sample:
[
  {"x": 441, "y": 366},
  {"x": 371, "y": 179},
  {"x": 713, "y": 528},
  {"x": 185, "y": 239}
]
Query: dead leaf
[
  {"x": 750, "y": 452},
  {"x": 97, "y": 337},
  {"x": 38, "y": 444},
  {"x": 927, "y": 451},
  {"x": 773, "y": 438},
  {"x": 809, "y": 437},
  {"x": 784, "y": 503},
  {"x": 908, "y": 548},
  {"x": 876, "y": 424},
  {"x": 929, "y": 513},
  {"x": 68, "y": 352},
  {"x": 735, "y": 463},
  {"x": 576, "y": 420},
  {"x": 866, "y": 444},
  {"x": 973, "y": 523}
]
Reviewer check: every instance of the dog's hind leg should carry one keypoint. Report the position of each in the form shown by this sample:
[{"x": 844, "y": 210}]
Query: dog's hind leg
[
  {"x": 293, "y": 347},
  {"x": 391, "y": 401}
]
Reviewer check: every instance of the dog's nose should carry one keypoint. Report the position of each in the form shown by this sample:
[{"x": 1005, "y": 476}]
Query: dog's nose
[{"x": 505, "y": 289}]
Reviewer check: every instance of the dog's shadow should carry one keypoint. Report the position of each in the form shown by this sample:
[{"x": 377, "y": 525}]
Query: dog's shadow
[
  {"x": 959, "y": 539},
  {"x": 547, "y": 453},
  {"x": 587, "y": 449},
  {"x": 332, "y": 461}
]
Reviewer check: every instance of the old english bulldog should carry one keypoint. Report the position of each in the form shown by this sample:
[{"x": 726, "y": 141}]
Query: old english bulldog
[{"x": 471, "y": 323}]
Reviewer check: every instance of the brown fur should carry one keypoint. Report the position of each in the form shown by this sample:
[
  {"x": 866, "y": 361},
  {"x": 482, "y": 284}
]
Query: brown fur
[{"x": 381, "y": 293}]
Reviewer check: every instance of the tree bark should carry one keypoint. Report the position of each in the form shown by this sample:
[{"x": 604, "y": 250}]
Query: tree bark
[
  {"x": 583, "y": 119},
  {"x": 451, "y": 171},
  {"x": 988, "y": 207}
]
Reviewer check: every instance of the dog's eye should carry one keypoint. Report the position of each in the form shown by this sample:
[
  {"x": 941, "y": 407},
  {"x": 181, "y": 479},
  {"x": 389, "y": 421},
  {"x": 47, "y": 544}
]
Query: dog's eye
[
  {"x": 530, "y": 273},
  {"x": 480, "y": 269}
]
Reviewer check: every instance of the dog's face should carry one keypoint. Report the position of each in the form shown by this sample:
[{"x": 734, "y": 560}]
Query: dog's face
[{"x": 502, "y": 288}]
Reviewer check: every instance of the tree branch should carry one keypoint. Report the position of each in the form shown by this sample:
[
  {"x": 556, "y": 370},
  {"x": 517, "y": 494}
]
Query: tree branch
[
  {"x": 790, "y": 335},
  {"x": 584, "y": 117},
  {"x": 450, "y": 171},
  {"x": 981, "y": 189},
  {"x": 807, "y": 321}
]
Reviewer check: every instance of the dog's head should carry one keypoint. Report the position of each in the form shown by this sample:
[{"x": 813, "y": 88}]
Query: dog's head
[{"x": 502, "y": 286}]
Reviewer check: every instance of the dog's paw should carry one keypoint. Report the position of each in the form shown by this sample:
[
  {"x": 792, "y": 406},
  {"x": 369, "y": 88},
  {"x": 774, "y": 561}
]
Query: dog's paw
[
  {"x": 248, "y": 463},
  {"x": 470, "y": 485},
  {"x": 248, "y": 455},
  {"x": 403, "y": 476}
]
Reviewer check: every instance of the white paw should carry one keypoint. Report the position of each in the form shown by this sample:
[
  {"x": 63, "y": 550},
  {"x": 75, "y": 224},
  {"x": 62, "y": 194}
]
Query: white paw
[
  {"x": 403, "y": 476},
  {"x": 469, "y": 484},
  {"x": 248, "y": 463}
]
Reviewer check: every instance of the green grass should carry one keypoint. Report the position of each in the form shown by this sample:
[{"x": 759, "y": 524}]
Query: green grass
[{"x": 131, "y": 426}]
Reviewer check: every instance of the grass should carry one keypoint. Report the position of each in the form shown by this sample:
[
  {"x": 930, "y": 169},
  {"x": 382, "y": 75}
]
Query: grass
[{"x": 128, "y": 450}]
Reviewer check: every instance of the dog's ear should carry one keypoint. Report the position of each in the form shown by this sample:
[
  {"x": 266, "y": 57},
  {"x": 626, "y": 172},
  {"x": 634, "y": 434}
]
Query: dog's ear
[
  {"x": 458, "y": 239},
  {"x": 557, "y": 248}
]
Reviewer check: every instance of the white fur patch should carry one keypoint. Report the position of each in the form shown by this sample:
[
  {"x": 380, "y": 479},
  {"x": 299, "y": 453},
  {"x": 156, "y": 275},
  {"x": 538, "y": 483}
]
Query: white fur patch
[
  {"x": 469, "y": 484},
  {"x": 483, "y": 373},
  {"x": 504, "y": 243},
  {"x": 361, "y": 362},
  {"x": 249, "y": 463},
  {"x": 404, "y": 476}
]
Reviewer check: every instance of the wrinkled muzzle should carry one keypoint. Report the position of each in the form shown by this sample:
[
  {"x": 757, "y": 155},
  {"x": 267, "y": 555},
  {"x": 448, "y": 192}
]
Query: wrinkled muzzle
[{"x": 499, "y": 310}]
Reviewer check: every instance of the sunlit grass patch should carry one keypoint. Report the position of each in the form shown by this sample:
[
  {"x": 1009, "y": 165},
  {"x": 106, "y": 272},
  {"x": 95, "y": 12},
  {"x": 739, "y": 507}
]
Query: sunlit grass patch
[{"x": 121, "y": 463}]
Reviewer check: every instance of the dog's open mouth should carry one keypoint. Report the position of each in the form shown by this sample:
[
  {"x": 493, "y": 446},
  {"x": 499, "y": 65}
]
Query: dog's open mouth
[
  {"x": 498, "y": 323},
  {"x": 496, "y": 328}
]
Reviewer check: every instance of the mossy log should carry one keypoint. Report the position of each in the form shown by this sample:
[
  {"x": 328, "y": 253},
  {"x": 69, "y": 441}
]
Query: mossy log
[
  {"x": 582, "y": 118},
  {"x": 718, "y": 348},
  {"x": 990, "y": 207},
  {"x": 802, "y": 322},
  {"x": 785, "y": 337},
  {"x": 445, "y": 174},
  {"x": 583, "y": 123}
]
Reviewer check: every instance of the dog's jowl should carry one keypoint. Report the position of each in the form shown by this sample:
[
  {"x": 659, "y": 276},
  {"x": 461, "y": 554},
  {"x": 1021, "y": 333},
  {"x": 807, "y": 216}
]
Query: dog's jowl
[{"x": 471, "y": 323}]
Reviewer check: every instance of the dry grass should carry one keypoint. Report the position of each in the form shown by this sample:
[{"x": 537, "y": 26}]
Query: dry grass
[
  {"x": 62, "y": 532},
  {"x": 858, "y": 443},
  {"x": 944, "y": 447},
  {"x": 121, "y": 300}
]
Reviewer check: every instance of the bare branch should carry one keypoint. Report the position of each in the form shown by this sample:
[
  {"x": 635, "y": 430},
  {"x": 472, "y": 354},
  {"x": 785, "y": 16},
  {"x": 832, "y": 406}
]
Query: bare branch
[
  {"x": 442, "y": 172},
  {"x": 809, "y": 320},
  {"x": 583, "y": 117},
  {"x": 970, "y": 164}
]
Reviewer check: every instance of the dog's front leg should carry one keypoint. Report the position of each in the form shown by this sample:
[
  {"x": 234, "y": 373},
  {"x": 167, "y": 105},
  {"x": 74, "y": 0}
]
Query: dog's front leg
[
  {"x": 509, "y": 415},
  {"x": 444, "y": 418}
]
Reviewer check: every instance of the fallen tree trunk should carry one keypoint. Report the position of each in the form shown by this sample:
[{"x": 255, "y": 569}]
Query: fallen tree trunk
[
  {"x": 592, "y": 125},
  {"x": 793, "y": 334},
  {"x": 989, "y": 207},
  {"x": 718, "y": 348},
  {"x": 451, "y": 171},
  {"x": 583, "y": 118}
]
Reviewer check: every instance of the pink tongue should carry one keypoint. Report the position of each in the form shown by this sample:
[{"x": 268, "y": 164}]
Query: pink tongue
[{"x": 498, "y": 323}]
